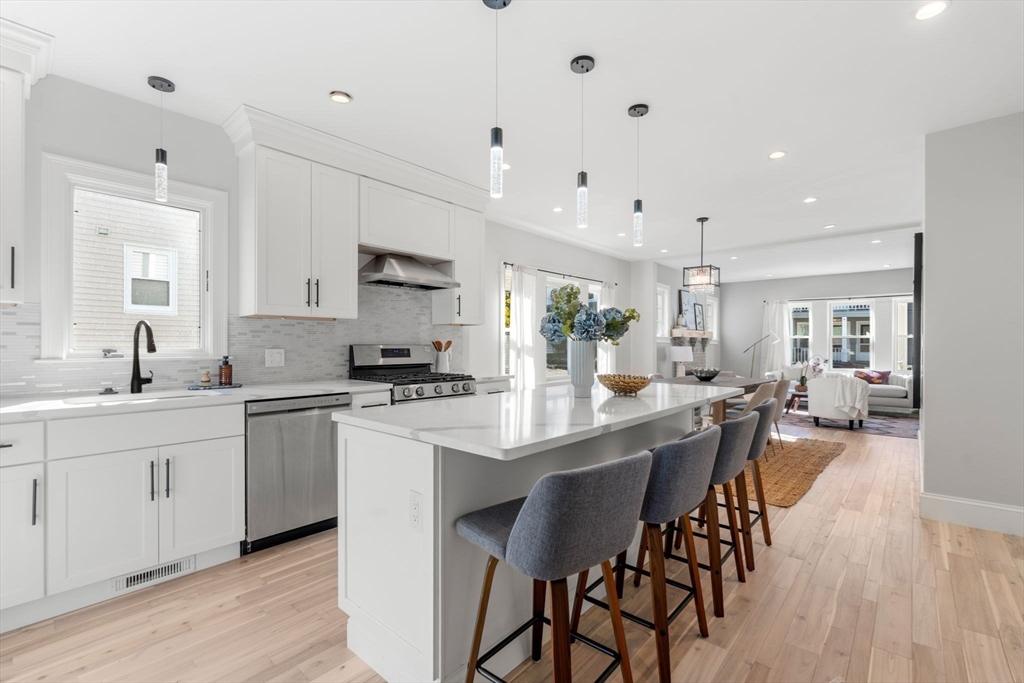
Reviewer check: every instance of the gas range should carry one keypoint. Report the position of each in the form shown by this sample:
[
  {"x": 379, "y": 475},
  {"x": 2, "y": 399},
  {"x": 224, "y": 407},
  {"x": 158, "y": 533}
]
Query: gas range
[{"x": 409, "y": 370}]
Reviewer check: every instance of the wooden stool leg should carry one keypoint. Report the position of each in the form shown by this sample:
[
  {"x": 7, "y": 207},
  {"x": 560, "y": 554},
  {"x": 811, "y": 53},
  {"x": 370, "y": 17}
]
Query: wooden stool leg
[
  {"x": 577, "y": 608},
  {"x": 561, "y": 654},
  {"x": 620, "y": 573},
  {"x": 737, "y": 538},
  {"x": 640, "y": 557},
  {"x": 698, "y": 593},
  {"x": 715, "y": 552},
  {"x": 679, "y": 537},
  {"x": 659, "y": 601},
  {"x": 620, "y": 632},
  {"x": 761, "y": 505},
  {"x": 669, "y": 536},
  {"x": 481, "y": 616},
  {"x": 748, "y": 539},
  {"x": 702, "y": 514},
  {"x": 779, "y": 432}
]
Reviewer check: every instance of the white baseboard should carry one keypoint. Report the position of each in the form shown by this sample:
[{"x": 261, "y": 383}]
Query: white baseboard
[{"x": 1006, "y": 519}]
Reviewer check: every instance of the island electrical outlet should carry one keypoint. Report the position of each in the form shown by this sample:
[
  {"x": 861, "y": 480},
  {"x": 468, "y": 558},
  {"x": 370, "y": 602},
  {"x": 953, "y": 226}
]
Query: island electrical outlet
[{"x": 416, "y": 510}]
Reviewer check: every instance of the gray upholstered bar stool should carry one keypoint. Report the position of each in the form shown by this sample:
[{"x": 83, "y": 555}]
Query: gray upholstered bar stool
[
  {"x": 680, "y": 475},
  {"x": 571, "y": 521},
  {"x": 765, "y": 416}
]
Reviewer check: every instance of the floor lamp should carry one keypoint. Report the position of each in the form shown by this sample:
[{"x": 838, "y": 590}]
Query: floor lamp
[
  {"x": 679, "y": 354},
  {"x": 752, "y": 355}
]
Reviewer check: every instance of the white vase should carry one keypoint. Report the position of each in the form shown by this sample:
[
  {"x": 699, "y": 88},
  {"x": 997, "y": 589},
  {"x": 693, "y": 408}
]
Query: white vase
[{"x": 582, "y": 355}]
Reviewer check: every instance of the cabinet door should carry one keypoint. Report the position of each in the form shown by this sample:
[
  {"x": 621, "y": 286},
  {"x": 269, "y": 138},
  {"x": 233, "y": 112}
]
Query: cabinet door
[
  {"x": 21, "y": 534},
  {"x": 335, "y": 241},
  {"x": 465, "y": 304},
  {"x": 12, "y": 187},
  {"x": 406, "y": 222},
  {"x": 283, "y": 278},
  {"x": 202, "y": 496},
  {"x": 102, "y": 513}
]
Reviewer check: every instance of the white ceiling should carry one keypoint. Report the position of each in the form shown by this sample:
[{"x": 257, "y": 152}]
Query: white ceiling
[{"x": 847, "y": 88}]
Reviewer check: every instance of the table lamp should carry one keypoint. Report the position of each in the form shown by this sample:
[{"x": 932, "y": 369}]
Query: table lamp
[{"x": 679, "y": 354}]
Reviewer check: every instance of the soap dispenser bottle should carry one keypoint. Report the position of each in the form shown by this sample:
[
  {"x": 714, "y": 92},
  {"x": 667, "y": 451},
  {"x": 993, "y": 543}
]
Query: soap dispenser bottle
[{"x": 225, "y": 372}]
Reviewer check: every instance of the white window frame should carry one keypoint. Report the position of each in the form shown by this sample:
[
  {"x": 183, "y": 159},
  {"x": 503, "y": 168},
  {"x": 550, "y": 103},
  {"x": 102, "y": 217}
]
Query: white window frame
[
  {"x": 172, "y": 279},
  {"x": 663, "y": 324},
  {"x": 711, "y": 305},
  {"x": 61, "y": 177},
  {"x": 896, "y": 336},
  {"x": 586, "y": 289},
  {"x": 870, "y": 336},
  {"x": 810, "y": 329}
]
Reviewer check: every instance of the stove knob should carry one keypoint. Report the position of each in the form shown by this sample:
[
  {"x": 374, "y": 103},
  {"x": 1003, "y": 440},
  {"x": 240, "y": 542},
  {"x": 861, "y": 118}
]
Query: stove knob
[
  {"x": 465, "y": 387},
  {"x": 407, "y": 392},
  {"x": 419, "y": 391},
  {"x": 438, "y": 389},
  {"x": 455, "y": 388}
]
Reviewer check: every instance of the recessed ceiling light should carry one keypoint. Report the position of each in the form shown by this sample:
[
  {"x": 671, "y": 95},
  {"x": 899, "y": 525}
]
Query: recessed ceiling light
[
  {"x": 341, "y": 97},
  {"x": 622, "y": 234},
  {"x": 769, "y": 275},
  {"x": 557, "y": 209},
  {"x": 664, "y": 251},
  {"x": 829, "y": 226},
  {"x": 932, "y": 9},
  {"x": 876, "y": 241},
  {"x": 733, "y": 258},
  {"x": 886, "y": 265},
  {"x": 810, "y": 199},
  {"x": 777, "y": 154},
  {"x": 505, "y": 167}
]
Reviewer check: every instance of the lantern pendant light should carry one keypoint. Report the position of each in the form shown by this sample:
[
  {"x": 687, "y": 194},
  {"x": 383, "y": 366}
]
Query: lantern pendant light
[
  {"x": 638, "y": 111},
  {"x": 497, "y": 170},
  {"x": 161, "y": 85},
  {"x": 581, "y": 65},
  {"x": 702, "y": 279}
]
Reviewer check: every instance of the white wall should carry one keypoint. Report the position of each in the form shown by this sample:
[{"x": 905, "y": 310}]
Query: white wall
[
  {"x": 743, "y": 311},
  {"x": 504, "y": 243},
  {"x": 972, "y": 431}
]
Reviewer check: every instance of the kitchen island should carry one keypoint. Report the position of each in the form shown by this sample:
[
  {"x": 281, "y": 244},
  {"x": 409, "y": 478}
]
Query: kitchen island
[{"x": 409, "y": 584}]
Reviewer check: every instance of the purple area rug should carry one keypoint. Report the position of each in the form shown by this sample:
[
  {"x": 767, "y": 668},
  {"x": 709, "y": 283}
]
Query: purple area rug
[{"x": 883, "y": 425}]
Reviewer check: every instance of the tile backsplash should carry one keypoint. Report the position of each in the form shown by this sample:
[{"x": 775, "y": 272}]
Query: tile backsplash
[{"x": 313, "y": 350}]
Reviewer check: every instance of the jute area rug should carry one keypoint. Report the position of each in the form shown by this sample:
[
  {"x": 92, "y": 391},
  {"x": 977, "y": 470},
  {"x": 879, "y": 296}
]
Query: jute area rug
[{"x": 788, "y": 474}]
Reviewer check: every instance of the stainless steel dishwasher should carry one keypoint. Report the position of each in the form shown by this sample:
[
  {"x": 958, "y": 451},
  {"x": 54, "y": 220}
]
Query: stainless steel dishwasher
[{"x": 291, "y": 466}]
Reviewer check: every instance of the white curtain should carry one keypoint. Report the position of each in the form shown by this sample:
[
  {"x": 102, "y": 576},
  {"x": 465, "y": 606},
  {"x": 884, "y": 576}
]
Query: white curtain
[
  {"x": 605, "y": 351},
  {"x": 775, "y": 349},
  {"x": 523, "y": 329}
]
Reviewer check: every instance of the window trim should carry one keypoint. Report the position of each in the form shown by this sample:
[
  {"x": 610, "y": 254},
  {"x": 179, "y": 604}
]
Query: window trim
[
  {"x": 871, "y": 322},
  {"x": 810, "y": 329},
  {"x": 61, "y": 177},
  {"x": 664, "y": 334},
  {"x": 712, "y": 303},
  {"x": 587, "y": 288},
  {"x": 896, "y": 301},
  {"x": 172, "y": 280}
]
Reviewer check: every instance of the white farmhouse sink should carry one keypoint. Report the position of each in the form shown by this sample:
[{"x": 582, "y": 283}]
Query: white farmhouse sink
[{"x": 106, "y": 399}]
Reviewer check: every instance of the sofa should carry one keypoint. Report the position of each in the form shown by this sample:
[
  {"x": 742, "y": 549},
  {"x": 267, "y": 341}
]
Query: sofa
[
  {"x": 898, "y": 393},
  {"x": 823, "y": 399}
]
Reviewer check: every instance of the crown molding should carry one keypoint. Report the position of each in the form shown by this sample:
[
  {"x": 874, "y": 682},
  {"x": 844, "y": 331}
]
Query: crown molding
[
  {"x": 248, "y": 126},
  {"x": 527, "y": 226},
  {"x": 26, "y": 50}
]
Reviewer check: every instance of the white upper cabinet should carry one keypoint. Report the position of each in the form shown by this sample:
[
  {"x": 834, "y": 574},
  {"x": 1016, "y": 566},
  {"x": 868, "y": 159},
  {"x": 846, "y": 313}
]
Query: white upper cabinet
[
  {"x": 22, "y": 567},
  {"x": 398, "y": 220},
  {"x": 12, "y": 187},
  {"x": 465, "y": 304},
  {"x": 297, "y": 235}
]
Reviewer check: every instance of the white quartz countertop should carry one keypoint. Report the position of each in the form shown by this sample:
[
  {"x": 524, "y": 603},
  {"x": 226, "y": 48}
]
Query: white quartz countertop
[
  {"x": 63, "y": 406},
  {"x": 515, "y": 424}
]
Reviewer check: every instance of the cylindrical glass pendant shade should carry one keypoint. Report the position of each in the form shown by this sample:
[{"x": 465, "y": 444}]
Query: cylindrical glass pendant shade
[
  {"x": 497, "y": 159},
  {"x": 581, "y": 199},
  {"x": 638, "y": 223},
  {"x": 161, "y": 175}
]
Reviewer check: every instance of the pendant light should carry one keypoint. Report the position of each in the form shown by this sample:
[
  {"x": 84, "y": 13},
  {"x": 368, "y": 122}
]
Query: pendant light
[
  {"x": 581, "y": 65},
  {"x": 161, "y": 85},
  {"x": 638, "y": 111},
  {"x": 701, "y": 279},
  {"x": 497, "y": 144}
]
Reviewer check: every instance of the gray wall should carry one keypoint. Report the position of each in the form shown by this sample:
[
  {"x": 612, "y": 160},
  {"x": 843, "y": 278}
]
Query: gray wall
[
  {"x": 743, "y": 312},
  {"x": 974, "y": 226}
]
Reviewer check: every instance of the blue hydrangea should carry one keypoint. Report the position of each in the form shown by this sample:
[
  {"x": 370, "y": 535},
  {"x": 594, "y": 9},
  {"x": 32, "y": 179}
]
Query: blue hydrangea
[
  {"x": 551, "y": 328},
  {"x": 610, "y": 314},
  {"x": 588, "y": 325}
]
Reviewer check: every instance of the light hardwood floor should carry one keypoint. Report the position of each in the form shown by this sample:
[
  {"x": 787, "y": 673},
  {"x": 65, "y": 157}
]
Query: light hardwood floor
[{"x": 856, "y": 588}]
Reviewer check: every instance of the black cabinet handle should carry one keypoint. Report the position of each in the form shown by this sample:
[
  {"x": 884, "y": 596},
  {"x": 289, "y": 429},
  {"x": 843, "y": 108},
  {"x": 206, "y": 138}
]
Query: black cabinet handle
[
  {"x": 318, "y": 292},
  {"x": 458, "y": 300},
  {"x": 12, "y": 267},
  {"x": 152, "y": 480},
  {"x": 6, "y": 445},
  {"x": 167, "y": 483},
  {"x": 35, "y": 498},
  {"x": 375, "y": 405},
  {"x": 307, "y": 291}
]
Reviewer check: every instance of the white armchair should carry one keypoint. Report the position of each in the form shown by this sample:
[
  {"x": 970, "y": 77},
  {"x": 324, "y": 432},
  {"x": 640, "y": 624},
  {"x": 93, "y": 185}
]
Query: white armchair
[{"x": 838, "y": 398}]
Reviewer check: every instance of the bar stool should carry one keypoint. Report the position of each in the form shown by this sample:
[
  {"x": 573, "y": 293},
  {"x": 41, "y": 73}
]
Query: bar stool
[
  {"x": 765, "y": 416},
  {"x": 571, "y": 521},
  {"x": 680, "y": 475}
]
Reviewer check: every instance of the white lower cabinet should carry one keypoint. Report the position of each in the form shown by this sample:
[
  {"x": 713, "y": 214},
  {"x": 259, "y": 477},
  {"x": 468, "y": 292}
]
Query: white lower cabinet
[
  {"x": 202, "y": 496},
  {"x": 102, "y": 517},
  {"x": 22, "y": 566}
]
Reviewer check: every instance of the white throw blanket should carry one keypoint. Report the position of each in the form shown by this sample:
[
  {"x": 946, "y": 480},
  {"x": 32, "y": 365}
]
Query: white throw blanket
[{"x": 852, "y": 397}]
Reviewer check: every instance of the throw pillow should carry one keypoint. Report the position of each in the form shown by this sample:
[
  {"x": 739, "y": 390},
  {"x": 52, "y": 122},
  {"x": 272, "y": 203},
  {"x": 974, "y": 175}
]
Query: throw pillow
[{"x": 873, "y": 376}]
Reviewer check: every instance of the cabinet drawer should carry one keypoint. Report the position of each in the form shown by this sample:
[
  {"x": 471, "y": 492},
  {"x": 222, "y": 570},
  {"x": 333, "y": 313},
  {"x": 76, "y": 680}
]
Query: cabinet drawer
[
  {"x": 21, "y": 443},
  {"x": 376, "y": 398}
]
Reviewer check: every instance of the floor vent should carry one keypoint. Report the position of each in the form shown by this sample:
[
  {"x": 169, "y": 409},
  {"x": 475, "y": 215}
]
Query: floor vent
[{"x": 156, "y": 574}]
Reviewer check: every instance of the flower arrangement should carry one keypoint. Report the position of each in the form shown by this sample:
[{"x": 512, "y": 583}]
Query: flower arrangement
[
  {"x": 569, "y": 319},
  {"x": 819, "y": 365}
]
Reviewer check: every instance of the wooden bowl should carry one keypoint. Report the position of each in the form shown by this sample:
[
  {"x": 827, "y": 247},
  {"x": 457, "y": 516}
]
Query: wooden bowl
[{"x": 624, "y": 384}]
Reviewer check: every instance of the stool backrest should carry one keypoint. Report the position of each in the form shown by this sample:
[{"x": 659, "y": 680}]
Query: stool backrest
[
  {"x": 763, "y": 391},
  {"x": 734, "y": 447},
  {"x": 781, "y": 392},
  {"x": 577, "y": 519},
  {"x": 680, "y": 474},
  {"x": 765, "y": 415}
]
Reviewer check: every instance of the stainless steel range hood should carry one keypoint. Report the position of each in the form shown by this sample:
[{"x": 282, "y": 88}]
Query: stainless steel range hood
[{"x": 403, "y": 271}]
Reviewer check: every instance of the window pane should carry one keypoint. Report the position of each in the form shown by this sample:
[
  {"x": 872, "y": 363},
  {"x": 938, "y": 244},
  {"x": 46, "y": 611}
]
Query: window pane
[
  {"x": 103, "y": 225},
  {"x": 851, "y": 353},
  {"x": 557, "y": 354},
  {"x": 800, "y": 321},
  {"x": 851, "y": 320},
  {"x": 801, "y": 348}
]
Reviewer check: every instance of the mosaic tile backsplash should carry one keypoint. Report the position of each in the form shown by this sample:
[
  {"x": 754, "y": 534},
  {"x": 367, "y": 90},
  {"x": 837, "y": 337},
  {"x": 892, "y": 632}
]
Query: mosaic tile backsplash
[{"x": 313, "y": 350}]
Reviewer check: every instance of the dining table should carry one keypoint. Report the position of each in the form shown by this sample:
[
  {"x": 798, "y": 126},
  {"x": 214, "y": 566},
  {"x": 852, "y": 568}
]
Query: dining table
[{"x": 747, "y": 384}]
